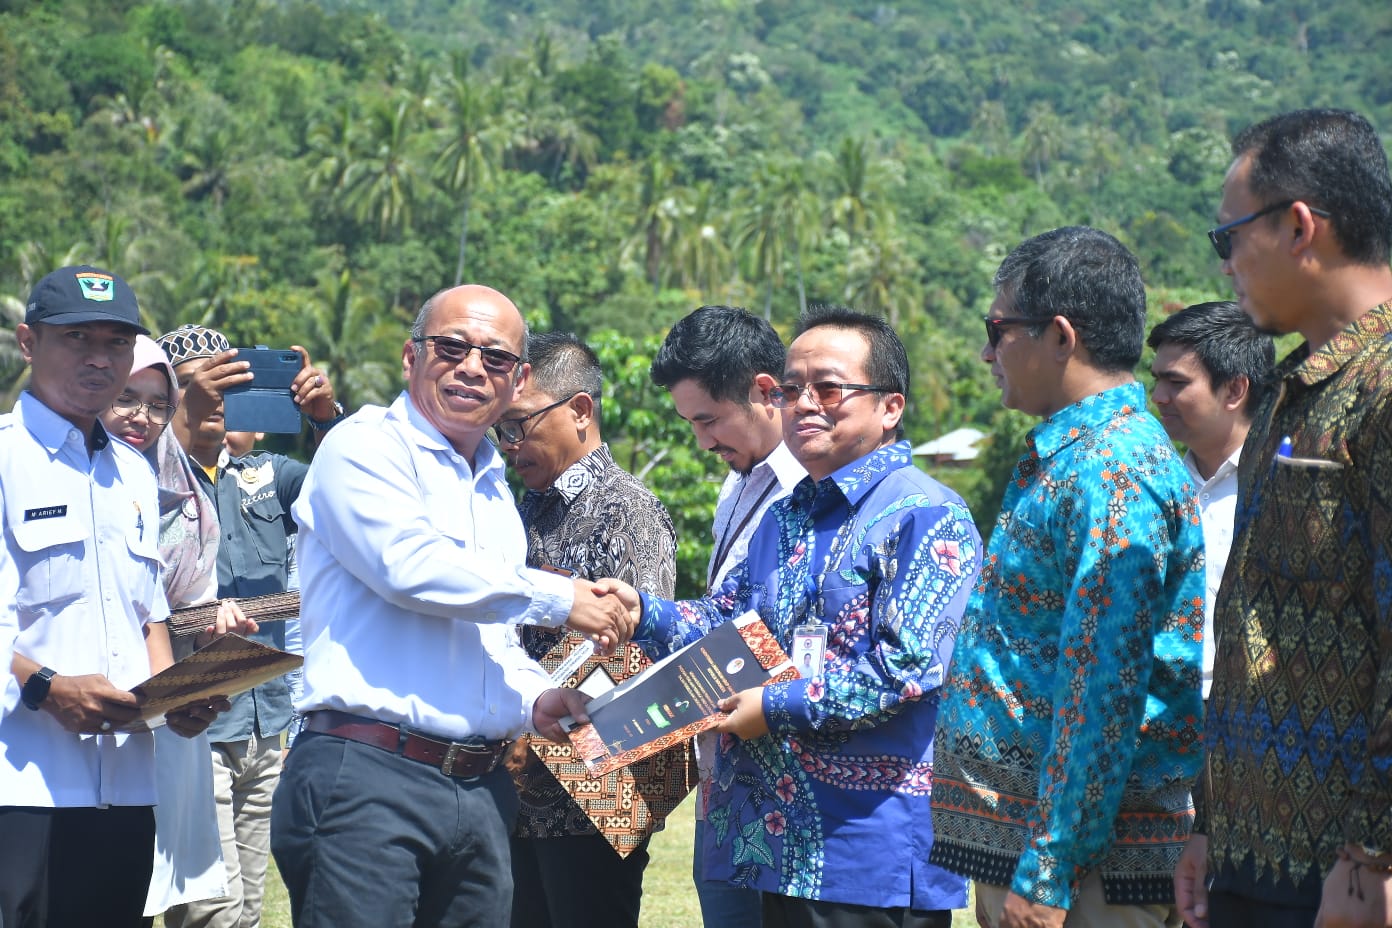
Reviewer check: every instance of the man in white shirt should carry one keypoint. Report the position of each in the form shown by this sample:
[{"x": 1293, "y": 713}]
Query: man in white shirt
[
  {"x": 719, "y": 363},
  {"x": 393, "y": 807},
  {"x": 82, "y": 602},
  {"x": 1212, "y": 367}
]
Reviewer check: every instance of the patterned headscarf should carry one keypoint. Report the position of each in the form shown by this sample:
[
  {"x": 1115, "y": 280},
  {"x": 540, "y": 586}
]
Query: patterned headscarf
[
  {"x": 188, "y": 537},
  {"x": 191, "y": 342}
]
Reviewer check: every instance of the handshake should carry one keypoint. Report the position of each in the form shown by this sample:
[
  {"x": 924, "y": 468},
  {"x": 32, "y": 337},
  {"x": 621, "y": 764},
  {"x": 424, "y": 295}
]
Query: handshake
[{"x": 605, "y": 611}]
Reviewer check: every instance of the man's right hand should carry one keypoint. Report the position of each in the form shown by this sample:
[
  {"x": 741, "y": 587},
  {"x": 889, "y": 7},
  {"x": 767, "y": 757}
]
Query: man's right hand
[
  {"x": 1191, "y": 882},
  {"x": 82, "y": 704},
  {"x": 604, "y": 619},
  {"x": 203, "y": 395}
]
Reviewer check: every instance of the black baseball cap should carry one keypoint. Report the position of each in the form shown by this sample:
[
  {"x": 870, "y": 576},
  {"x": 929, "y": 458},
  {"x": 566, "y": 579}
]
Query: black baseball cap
[{"x": 73, "y": 295}]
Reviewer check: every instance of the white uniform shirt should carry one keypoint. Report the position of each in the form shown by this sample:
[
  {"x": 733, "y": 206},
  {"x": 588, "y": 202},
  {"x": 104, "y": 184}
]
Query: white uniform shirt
[
  {"x": 412, "y": 577},
  {"x": 80, "y": 574},
  {"x": 1217, "y": 508},
  {"x": 744, "y": 498}
]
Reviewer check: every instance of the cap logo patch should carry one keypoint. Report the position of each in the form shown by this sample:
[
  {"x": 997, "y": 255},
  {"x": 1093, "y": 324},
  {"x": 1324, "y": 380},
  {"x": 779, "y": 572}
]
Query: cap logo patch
[{"x": 97, "y": 287}]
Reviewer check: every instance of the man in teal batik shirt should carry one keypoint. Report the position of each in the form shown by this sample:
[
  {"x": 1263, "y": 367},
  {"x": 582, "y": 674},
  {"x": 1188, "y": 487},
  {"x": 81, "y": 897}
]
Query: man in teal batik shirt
[{"x": 1069, "y": 732}]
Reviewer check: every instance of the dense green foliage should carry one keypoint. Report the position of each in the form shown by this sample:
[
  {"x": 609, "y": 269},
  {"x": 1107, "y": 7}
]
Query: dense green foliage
[{"x": 309, "y": 172}]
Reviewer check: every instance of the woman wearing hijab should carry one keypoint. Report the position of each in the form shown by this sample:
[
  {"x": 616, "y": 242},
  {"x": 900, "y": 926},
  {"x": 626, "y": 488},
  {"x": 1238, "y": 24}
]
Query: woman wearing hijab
[{"x": 188, "y": 856}]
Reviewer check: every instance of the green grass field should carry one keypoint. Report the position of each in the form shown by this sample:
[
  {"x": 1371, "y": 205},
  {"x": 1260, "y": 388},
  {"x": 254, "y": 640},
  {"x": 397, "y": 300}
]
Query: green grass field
[{"x": 669, "y": 900}]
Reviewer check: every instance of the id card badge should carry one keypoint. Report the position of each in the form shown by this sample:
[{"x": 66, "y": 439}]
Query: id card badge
[{"x": 809, "y": 650}]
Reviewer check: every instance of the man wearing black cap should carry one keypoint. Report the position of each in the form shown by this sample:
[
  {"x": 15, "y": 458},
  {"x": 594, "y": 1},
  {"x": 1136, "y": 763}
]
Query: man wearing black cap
[{"x": 81, "y": 600}]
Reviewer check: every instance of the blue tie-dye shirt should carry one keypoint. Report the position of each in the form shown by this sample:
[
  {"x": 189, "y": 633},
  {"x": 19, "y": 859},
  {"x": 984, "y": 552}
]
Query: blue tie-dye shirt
[{"x": 833, "y": 803}]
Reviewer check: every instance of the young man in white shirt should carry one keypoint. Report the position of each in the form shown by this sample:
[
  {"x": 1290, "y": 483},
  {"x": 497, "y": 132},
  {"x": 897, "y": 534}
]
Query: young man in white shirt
[
  {"x": 720, "y": 364},
  {"x": 1212, "y": 367}
]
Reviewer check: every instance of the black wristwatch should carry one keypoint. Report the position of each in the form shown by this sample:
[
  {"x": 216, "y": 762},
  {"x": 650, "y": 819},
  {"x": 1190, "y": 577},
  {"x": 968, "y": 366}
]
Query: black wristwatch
[
  {"x": 35, "y": 689},
  {"x": 327, "y": 423}
]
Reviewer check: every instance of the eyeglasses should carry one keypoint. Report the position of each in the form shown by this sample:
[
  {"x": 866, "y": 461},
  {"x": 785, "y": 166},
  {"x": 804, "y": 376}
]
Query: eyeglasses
[
  {"x": 455, "y": 350},
  {"x": 128, "y": 407},
  {"x": 1221, "y": 237},
  {"x": 514, "y": 431},
  {"x": 822, "y": 392},
  {"x": 996, "y": 326}
]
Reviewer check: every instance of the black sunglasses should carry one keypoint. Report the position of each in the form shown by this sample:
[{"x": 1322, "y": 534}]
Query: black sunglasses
[
  {"x": 996, "y": 326},
  {"x": 1221, "y": 237},
  {"x": 514, "y": 431},
  {"x": 455, "y": 350}
]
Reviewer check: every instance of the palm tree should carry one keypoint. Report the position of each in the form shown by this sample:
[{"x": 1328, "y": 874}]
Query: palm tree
[
  {"x": 700, "y": 251},
  {"x": 472, "y": 146},
  {"x": 656, "y": 212},
  {"x": 346, "y": 334},
  {"x": 1039, "y": 142},
  {"x": 381, "y": 183},
  {"x": 781, "y": 217}
]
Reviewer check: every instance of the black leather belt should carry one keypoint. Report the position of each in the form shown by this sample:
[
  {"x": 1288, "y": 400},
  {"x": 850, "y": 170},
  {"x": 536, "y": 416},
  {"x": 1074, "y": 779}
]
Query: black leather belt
[{"x": 453, "y": 758}]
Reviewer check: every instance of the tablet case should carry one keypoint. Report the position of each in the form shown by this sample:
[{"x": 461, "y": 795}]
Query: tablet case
[{"x": 266, "y": 403}]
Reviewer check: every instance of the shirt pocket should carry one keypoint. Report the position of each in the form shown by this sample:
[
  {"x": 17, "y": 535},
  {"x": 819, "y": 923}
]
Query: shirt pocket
[
  {"x": 265, "y": 521},
  {"x": 143, "y": 575},
  {"x": 1311, "y": 517},
  {"x": 50, "y": 560}
]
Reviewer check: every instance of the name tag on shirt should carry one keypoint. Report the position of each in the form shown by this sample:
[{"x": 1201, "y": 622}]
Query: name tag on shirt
[
  {"x": 809, "y": 650},
  {"x": 45, "y": 512}
]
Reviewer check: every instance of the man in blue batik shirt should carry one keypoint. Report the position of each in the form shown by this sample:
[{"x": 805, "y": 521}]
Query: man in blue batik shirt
[{"x": 821, "y": 784}]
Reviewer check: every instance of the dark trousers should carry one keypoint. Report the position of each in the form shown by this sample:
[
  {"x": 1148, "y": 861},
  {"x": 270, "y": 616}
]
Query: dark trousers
[
  {"x": 74, "y": 868},
  {"x": 364, "y": 837},
  {"x": 1228, "y": 910},
  {"x": 788, "y": 912},
  {"x": 577, "y": 881}
]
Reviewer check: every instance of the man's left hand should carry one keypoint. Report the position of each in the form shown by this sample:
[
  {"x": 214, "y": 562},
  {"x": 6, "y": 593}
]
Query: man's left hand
[
  {"x": 312, "y": 390},
  {"x": 193, "y": 719},
  {"x": 1019, "y": 912},
  {"x": 1360, "y": 898},
  {"x": 744, "y": 714},
  {"x": 552, "y": 706}
]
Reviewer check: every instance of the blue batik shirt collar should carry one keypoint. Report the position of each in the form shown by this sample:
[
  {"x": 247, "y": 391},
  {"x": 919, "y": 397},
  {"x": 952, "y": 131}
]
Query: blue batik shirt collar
[
  {"x": 860, "y": 476},
  {"x": 1087, "y": 415}
]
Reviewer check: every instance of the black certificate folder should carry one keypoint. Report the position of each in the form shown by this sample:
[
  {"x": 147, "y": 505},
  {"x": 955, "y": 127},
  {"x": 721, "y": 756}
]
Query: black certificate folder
[{"x": 678, "y": 697}]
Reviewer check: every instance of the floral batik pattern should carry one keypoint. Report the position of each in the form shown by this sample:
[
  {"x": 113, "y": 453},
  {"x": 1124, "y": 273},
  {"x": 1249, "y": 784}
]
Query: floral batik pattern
[
  {"x": 1070, "y": 730},
  {"x": 833, "y": 803}
]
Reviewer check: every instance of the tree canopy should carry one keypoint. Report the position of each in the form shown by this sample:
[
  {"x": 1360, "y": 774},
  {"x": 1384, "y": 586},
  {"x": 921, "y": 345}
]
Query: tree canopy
[{"x": 309, "y": 172}]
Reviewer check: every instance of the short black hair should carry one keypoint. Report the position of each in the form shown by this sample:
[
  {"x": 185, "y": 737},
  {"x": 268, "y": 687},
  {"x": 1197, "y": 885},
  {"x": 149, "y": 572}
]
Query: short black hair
[
  {"x": 563, "y": 365},
  {"x": 1226, "y": 342},
  {"x": 722, "y": 348},
  {"x": 1089, "y": 278},
  {"x": 1332, "y": 159},
  {"x": 886, "y": 360}
]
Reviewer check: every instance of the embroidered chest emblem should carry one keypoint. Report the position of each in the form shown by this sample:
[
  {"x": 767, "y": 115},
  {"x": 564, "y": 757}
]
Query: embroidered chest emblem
[{"x": 250, "y": 478}]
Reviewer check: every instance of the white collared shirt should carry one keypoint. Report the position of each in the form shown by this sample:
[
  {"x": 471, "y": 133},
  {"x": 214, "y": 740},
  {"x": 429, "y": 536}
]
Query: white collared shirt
[
  {"x": 79, "y": 579},
  {"x": 744, "y": 498},
  {"x": 412, "y": 577},
  {"x": 1217, "y": 498}
]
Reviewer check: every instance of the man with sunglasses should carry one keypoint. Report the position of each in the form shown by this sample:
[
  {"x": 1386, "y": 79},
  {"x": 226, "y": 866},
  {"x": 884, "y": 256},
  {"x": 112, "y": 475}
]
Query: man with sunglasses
[
  {"x": 585, "y": 514},
  {"x": 1295, "y": 808},
  {"x": 820, "y": 791},
  {"x": 1070, "y": 725},
  {"x": 394, "y": 807}
]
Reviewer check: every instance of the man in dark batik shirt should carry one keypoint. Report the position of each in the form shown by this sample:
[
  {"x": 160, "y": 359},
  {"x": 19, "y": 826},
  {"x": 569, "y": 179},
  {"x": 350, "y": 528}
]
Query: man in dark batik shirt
[
  {"x": 586, "y": 515},
  {"x": 1295, "y": 805}
]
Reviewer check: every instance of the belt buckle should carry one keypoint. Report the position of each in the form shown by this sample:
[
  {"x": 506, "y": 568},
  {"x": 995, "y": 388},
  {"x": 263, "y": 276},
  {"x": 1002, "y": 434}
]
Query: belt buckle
[{"x": 447, "y": 764}]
